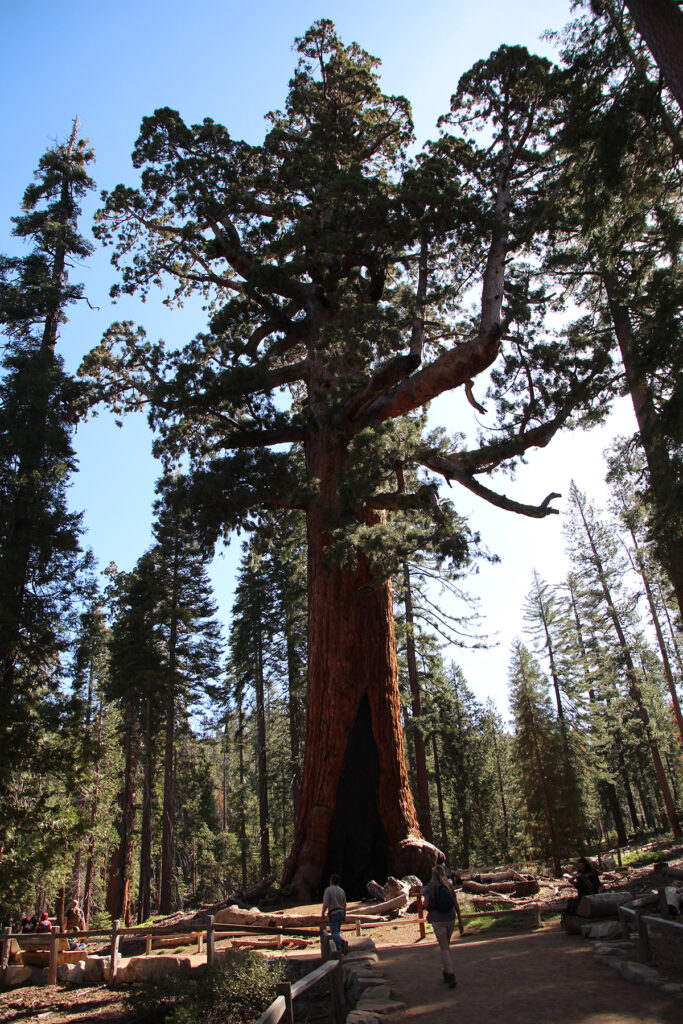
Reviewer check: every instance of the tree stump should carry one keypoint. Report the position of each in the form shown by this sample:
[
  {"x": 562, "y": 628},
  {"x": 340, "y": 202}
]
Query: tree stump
[{"x": 603, "y": 904}]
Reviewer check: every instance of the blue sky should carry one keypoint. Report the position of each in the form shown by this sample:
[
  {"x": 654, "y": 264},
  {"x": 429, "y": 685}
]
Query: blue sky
[{"x": 113, "y": 64}]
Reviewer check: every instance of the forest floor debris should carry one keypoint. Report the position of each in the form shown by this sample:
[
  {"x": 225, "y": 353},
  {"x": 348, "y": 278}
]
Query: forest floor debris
[{"x": 398, "y": 948}]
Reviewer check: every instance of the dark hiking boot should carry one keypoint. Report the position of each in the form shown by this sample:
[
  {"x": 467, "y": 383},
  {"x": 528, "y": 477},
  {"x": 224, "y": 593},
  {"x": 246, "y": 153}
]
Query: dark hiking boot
[{"x": 450, "y": 980}]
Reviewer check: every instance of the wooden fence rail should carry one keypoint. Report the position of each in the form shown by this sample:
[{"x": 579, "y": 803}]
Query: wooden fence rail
[
  {"x": 209, "y": 935},
  {"x": 643, "y": 923},
  {"x": 283, "y": 1006}
]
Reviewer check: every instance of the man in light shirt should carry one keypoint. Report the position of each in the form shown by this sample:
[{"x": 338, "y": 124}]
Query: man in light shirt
[{"x": 334, "y": 906}]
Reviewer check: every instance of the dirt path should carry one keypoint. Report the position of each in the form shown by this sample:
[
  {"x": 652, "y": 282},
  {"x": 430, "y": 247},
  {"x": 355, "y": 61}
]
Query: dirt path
[{"x": 518, "y": 978}]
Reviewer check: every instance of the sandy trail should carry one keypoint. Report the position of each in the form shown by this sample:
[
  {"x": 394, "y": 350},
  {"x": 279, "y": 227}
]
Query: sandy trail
[{"x": 519, "y": 978}]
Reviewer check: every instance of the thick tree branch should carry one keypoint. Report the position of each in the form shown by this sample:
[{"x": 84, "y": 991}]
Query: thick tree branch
[
  {"x": 461, "y": 364},
  {"x": 288, "y": 374},
  {"x": 502, "y": 501},
  {"x": 260, "y": 438},
  {"x": 385, "y": 377},
  {"x": 426, "y": 496},
  {"x": 469, "y": 384},
  {"x": 448, "y": 371},
  {"x": 482, "y": 460}
]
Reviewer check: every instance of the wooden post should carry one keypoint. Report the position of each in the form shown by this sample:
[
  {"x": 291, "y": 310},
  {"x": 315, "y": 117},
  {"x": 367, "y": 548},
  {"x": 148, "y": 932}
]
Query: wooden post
[
  {"x": 210, "y": 943},
  {"x": 4, "y": 955},
  {"x": 643, "y": 936},
  {"x": 537, "y": 915},
  {"x": 324, "y": 944},
  {"x": 148, "y": 945},
  {"x": 114, "y": 954},
  {"x": 337, "y": 991},
  {"x": 284, "y": 988},
  {"x": 358, "y": 928},
  {"x": 420, "y": 916},
  {"x": 52, "y": 962},
  {"x": 200, "y": 942},
  {"x": 619, "y": 856},
  {"x": 461, "y": 926}
]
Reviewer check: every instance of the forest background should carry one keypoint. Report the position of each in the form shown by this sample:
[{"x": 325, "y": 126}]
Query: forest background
[{"x": 235, "y": 72}]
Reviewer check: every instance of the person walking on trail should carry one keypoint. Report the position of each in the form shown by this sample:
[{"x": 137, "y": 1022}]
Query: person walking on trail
[
  {"x": 334, "y": 906},
  {"x": 439, "y": 899}
]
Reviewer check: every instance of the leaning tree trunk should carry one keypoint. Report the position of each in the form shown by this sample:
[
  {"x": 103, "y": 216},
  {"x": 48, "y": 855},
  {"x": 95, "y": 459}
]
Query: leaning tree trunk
[
  {"x": 660, "y": 23},
  {"x": 356, "y": 813},
  {"x": 660, "y": 469}
]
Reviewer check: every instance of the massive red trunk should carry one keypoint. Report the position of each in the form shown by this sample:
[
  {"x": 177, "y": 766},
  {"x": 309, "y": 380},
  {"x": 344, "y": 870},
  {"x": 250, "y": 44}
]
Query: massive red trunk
[{"x": 356, "y": 813}]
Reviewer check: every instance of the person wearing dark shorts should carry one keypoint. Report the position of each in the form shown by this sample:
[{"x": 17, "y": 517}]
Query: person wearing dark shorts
[{"x": 438, "y": 894}]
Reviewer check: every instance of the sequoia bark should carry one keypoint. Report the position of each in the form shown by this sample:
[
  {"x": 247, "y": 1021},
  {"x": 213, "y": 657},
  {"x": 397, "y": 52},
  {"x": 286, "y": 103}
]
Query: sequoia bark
[{"x": 356, "y": 813}]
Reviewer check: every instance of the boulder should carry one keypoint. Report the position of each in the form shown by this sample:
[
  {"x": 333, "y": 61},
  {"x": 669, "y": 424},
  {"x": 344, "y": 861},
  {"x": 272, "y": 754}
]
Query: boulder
[
  {"x": 18, "y": 975},
  {"x": 94, "y": 969},
  {"x": 72, "y": 974},
  {"x": 146, "y": 968},
  {"x": 604, "y": 930},
  {"x": 640, "y": 973}
]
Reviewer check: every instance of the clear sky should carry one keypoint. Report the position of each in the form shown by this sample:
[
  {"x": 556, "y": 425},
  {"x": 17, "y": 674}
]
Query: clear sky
[{"x": 111, "y": 64}]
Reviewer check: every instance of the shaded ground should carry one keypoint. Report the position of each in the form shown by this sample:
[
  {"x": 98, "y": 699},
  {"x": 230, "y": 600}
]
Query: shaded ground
[
  {"x": 519, "y": 977},
  {"x": 58, "y": 1006}
]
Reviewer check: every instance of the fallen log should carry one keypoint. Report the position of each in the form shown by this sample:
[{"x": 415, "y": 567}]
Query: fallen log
[
  {"x": 288, "y": 942},
  {"x": 673, "y": 872},
  {"x": 500, "y": 876},
  {"x": 375, "y": 890},
  {"x": 256, "y": 892},
  {"x": 527, "y": 887},
  {"x": 602, "y": 904},
  {"x": 387, "y": 908},
  {"x": 257, "y": 919}
]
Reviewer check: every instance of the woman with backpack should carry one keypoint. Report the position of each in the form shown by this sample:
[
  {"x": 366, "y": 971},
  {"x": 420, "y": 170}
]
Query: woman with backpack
[{"x": 439, "y": 900}]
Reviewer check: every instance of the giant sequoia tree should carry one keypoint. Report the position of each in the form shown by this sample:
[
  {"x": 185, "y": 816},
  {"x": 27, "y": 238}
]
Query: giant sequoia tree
[{"x": 340, "y": 277}]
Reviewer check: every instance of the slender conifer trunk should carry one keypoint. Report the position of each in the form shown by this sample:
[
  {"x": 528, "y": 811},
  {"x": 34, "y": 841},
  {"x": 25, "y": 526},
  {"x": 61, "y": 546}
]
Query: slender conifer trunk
[
  {"x": 261, "y": 756},
  {"x": 424, "y": 813},
  {"x": 169, "y": 809},
  {"x": 145, "y": 884},
  {"x": 634, "y": 688}
]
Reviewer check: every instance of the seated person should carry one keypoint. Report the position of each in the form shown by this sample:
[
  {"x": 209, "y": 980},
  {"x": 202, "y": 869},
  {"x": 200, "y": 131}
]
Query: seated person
[
  {"x": 44, "y": 925},
  {"x": 586, "y": 881},
  {"x": 28, "y": 922}
]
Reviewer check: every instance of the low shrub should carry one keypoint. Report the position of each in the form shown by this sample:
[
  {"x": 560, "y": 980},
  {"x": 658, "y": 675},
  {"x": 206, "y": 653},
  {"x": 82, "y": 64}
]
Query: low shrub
[{"x": 235, "y": 992}]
